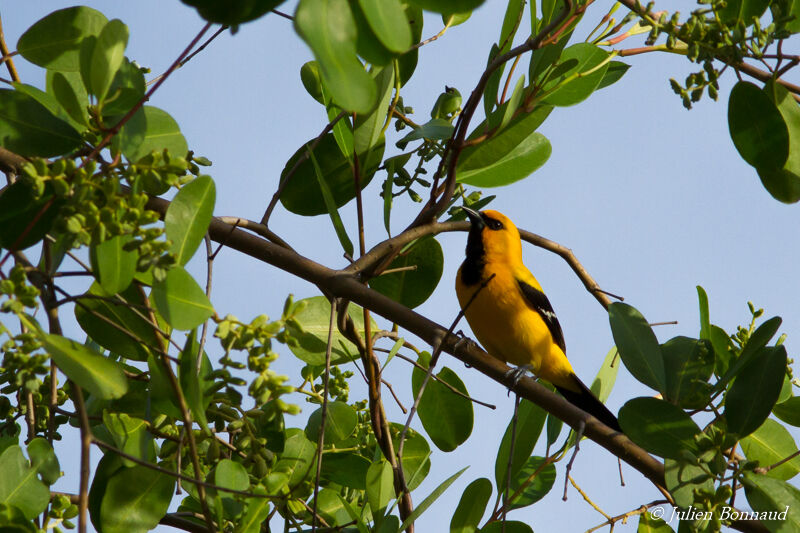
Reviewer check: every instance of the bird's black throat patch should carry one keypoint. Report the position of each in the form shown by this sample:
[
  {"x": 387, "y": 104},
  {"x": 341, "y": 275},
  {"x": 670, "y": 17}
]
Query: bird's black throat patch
[{"x": 472, "y": 268}]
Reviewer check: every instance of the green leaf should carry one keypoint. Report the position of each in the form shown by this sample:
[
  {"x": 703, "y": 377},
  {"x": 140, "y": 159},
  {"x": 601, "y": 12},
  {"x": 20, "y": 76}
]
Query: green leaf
[
  {"x": 327, "y": 26},
  {"x": 757, "y": 128},
  {"x": 688, "y": 364},
  {"x": 188, "y": 217},
  {"x": 755, "y": 390},
  {"x": 99, "y": 375},
  {"x": 637, "y": 345},
  {"x": 297, "y": 459},
  {"x": 538, "y": 488},
  {"x": 309, "y": 328},
  {"x": 151, "y": 129},
  {"x": 44, "y": 460},
  {"x": 446, "y": 416},
  {"x": 135, "y": 499},
  {"x": 24, "y": 218},
  {"x": 232, "y": 12},
  {"x": 508, "y": 526},
  {"x": 682, "y": 478},
  {"x": 127, "y": 88},
  {"x": 29, "y": 129},
  {"x": 340, "y": 423},
  {"x": 615, "y": 71},
  {"x": 511, "y": 23},
  {"x": 580, "y": 70},
  {"x": 112, "y": 264},
  {"x": 346, "y": 469},
  {"x": 54, "y": 41},
  {"x": 770, "y": 444},
  {"x": 107, "y": 322},
  {"x": 412, "y": 287},
  {"x": 606, "y": 376},
  {"x": 69, "y": 92},
  {"x": 659, "y": 427},
  {"x": 388, "y": 21},
  {"x": 789, "y": 411},
  {"x": 196, "y": 386},
  {"x": 723, "y": 351},
  {"x": 447, "y": 6},
  {"x": 380, "y": 486},
  {"x": 107, "y": 57},
  {"x": 130, "y": 435},
  {"x": 331, "y": 507},
  {"x": 368, "y": 45},
  {"x": 471, "y": 507},
  {"x": 434, "y": 129},
  {"x": 19, "y": 485},
  {"x": 513, "y": 103},
  {"x": 14, "y": 521},
  {"x": 407, "y": 62},
  {"x": 416, "y": 455},
  {"x": 256, "y": 513},
  {"x": 784, "y": 184},
  {"x": 769, "y": 495},
  {"x": 330, "y": 205},
  {"x": 652, "y": 524},
  {"x": 368, "y": 130},
  {"x": 231, "y": 475},
  {"x": 742, "y": 10},
  {"x": 180, "y": 300},
  {"x": 507, "y": 156},
  {"x": 530, "y": 421},
  {"x": 302, "y": 195},
  {"x": 705, "y": 324},
  {"x": 430, "y": 499},
  {"x": 757, "y": 340}
]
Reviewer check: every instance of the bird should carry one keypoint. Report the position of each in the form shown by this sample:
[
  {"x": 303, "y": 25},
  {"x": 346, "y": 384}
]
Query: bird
[{"x": 511, "y": 316}]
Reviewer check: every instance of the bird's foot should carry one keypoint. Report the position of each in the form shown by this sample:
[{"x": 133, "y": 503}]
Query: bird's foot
[
  {"x": 463, "y": 341},
  {"x": 516, "y": 374}
]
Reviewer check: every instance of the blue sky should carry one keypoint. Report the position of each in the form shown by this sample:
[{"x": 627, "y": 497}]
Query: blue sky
[{"x": 652, "y": 198}]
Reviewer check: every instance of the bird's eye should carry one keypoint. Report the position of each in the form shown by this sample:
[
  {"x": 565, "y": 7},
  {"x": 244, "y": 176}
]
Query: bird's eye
[{"x": 494, "y": 224}]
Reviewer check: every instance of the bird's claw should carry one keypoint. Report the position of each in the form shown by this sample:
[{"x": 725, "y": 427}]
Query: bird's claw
[
  {"x": 516, "y": 374},
  {"x": 462, "y": 341}
]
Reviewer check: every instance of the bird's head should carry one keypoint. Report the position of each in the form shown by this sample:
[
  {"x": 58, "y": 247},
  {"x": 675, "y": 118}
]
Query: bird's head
[{"x": 492, "y": 235}]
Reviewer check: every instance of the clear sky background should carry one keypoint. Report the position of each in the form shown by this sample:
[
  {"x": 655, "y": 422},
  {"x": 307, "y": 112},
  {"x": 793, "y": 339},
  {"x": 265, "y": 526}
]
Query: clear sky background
[{"x": 652, "y": 198}]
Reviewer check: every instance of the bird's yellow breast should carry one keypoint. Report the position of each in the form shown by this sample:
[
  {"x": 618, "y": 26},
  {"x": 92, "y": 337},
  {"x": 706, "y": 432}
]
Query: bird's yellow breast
[{"x": 508, "y": 328}]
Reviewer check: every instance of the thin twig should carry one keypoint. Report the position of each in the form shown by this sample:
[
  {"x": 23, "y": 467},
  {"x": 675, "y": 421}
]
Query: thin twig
[
  {"x": 588, "y": 500},
  {"x": 86, "y": 442},
  {"x": 12, "y": 70},
  {"x": 190, "y": 56}
]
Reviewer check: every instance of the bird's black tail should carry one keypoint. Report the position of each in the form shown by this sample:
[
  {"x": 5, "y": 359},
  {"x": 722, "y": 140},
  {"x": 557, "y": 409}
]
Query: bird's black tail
[{"x": 587, "y": 401}]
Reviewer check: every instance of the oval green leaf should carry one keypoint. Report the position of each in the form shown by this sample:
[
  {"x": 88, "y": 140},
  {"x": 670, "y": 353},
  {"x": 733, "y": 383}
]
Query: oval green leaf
[
  {"x": 19, "y": 485},
  {"x": 346, "y": 469},
  {"x": 388, "y": 20},
  {"x": 757, "y": 128},
  {"x": 412, "y": 287},
  {"x": 302, "y": 194},
  {"x": 180, "y": 300},
  {"x": 755, "y": 390},
  {"x": 29, "y": 129},
  {"x": 340, "y": 423},
  {"x": 530, "y": 421},
  {"x": 188, "y": 217},
  {"x": 99, "y": 375},
  {"x": 683, "y": 478},
  {"x": 580, "y": 70},
  {"x": 784, "y": 184},
  {"x": 69, "y": 92},
  {"x": 233, "y": 12},
  {"x": 637, "y": 345},
  {"x": 151, "y": 129},
  {"x": 770, "y": 444},
  {"x": 327, "y": 26},
  {"x": 507, "y": 526},
  {"x": 471, "y": 507},
  {"x": 788, "y": 411},
  {"x": 446, "y": 416},
  {"x": 231, "y": 475},
  {"x": 135, "y": 500},
  {"x": 770, "y": 495},
  {"x": 121, "y": 328},
  {"x": 416, "y": 455},
  {"x": 309, "y": 328},
  {"x": 54, "y": 41},
  {"x": 523, "y": 160},
  {"x": 688, "y": 364},
  {"x": 297, "y": 459},
  {"x": 107, "y": 57},
  {"x": 25, "y": 219},
  {"x": 113, "y": 265},
  {"x": 659, "y": 427},
  {"x": 447, "y": 6},
  {"x": 380, "y": 486},
  {"x": 544, "y": 476}
]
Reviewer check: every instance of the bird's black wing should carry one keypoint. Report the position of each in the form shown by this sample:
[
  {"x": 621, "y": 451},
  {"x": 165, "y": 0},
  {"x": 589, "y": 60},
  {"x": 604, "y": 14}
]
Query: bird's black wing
[{"x": 537, "y": 301}]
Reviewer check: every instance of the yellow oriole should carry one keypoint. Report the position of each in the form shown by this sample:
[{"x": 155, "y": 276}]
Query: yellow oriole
[{"x": 511, "y": 316}]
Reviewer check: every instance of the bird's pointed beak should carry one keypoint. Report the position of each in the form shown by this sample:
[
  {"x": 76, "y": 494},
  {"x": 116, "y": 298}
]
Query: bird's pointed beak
[{"x": 474, "y": 217}]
